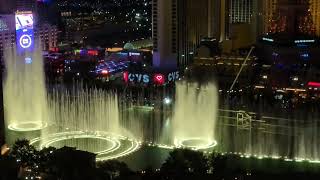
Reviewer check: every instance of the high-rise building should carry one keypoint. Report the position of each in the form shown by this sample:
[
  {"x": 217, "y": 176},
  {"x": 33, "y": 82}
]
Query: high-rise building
[
  {"x": 219, "y": 15},
  {"x": 239, "y": 23},
  {"x": 11, "y": 6},
  {"x": 315, "y": 13},
  {"x": 26, "y": 5},
  {"x": 241, "y": 11},
  {"x": 178, "y": 27},
  {"x": 257, "y": 19},
  {"x": 6, "y": 7},
  {"x": 266, "y": 16},
  {"x": 293, "y": 17},
  {"x": 229, "y": 12},
  {"x": 291, "y": 38},
  {"x": 258, "y": 14},
  {"x": 165, "y": 29},
  {"x": 268, "y": 11},
  {"x": 194, "y": 24}
]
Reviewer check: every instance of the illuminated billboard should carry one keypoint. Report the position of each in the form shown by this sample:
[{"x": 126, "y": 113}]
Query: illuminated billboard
[
  {"x": 24, "y": 21},
  {"x": 153, "y": 78},
  {"x": 24, "y": 32}
]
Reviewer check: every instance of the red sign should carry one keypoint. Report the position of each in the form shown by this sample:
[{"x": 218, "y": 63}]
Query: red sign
[
  {"x": 54, "y": 49},
  {"x": 159, "y": 79},
  {"x": 314, "y": 84},
  {"x": 93, "y": 52},
  {"x": 104, "y": 72},
  {"x": 126, "y": 76}
]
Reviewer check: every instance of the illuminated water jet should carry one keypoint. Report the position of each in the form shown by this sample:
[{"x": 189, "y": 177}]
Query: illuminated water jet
[
  {"x": 24, "y": 92},
  {"x": 195, "y": 113},
  {"x": 109, "y": 145},
  {"x": 195, "y": 143},
  {"x": 27, "y": 126}
]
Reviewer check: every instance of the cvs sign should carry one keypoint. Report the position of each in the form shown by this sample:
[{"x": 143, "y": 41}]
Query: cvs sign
[
  {"x": 136, "y": 77},
  {"x": 173, "y": 76}
]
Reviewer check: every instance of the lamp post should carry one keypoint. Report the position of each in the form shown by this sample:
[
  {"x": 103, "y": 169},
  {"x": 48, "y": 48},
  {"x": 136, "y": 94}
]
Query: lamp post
[{"x": 241, "y": 68}]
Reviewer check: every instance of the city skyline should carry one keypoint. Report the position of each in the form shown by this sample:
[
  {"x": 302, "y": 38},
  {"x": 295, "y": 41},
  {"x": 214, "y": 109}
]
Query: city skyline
[{"x": 159, "y": 89}]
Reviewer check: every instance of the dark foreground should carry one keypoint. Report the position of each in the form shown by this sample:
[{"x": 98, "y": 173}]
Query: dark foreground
[{"x": 25, "y": 162}]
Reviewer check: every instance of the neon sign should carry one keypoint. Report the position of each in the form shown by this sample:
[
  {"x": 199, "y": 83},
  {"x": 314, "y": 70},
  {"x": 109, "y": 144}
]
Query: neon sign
[
  {"x": 25, "y": 41},
  {"x": 134, "y": 54},
  {"x": 126, "y": 76},
  {"x": 158, "y": 78},
  {"x": 174, "y": 76},
  {"x": 140, "y": 78},
  {"x": 304, "y": 41},
  {"x": 314, "y": 84}
]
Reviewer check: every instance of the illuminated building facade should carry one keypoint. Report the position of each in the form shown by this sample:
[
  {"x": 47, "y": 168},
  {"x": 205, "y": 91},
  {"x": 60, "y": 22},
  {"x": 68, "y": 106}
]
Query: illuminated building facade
[
  {"x": 234, "y": 15},
  {"x": 194, "y": 24},
  {"x": 315, "y": 14},
  {"x": 220, "y": 19},
  {"x": 241, "y": 11},
  {"x": 178, "y": 27},
  {"x": 291, "y": 47},
  {"x": 165, "y": 33},
  {"x": 268, "y": 10},
  {"x": 265, "y": 15},
  {"x": 7, "y": 6},
  {"x": 48, "y": 35},
  {"x": 293, "y": 16},
  {"x": 291, "y": 24},
  {"x": 26, "y": 5}
]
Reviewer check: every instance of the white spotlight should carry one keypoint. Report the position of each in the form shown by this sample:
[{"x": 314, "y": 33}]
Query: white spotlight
[{"x": 167, "y": 100}]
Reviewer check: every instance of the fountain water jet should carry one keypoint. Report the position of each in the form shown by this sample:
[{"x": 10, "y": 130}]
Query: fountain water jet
[
  {"x": 195, "y": 113},
  {"x": 24, "y": 92},
  {"x": 87, "y": 119},
  {"x": 83, "y": 109}
]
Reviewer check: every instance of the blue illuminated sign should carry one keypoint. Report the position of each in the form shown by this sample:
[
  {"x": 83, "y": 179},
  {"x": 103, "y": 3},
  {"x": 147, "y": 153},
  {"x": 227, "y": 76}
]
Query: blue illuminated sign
[
  {"x": 24, "y": 32},
  {"x": 157, "y": 78},
  {"x": 28, "y": 60},
  {"x": 305, "y": 41},
  {"x": 268, "y": 39},
  {"x": 134, "y": 54},
  {"x": 173, "y": 76},
  {"x": 25, "y": 41},
  {"x": 145, "y": 78},
  {"x": 305, "y": 56}
]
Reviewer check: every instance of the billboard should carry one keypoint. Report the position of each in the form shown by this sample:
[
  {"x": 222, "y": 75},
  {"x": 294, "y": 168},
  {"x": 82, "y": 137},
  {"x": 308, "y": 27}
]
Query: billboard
[{"x": 24, "y": 32}]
